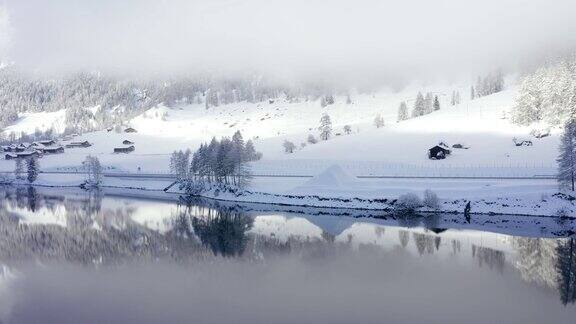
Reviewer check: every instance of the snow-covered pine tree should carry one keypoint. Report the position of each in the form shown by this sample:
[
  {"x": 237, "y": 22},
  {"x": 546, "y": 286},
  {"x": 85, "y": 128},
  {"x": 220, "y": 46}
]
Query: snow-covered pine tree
[
  {"x": 402, "y": 111},
  {"x": 529, "y": 102},
  {"x": 472, "y": 93},
  {"x": 325, "y": 127},
  {"x": 436, "y": 103},
  {"x": 567, "y": 158},
  {"x": 419, "y": 106},
  {"x": 428, "y": 103},
  {"x": 33, "y": 169},
  {"x": 250, "y": 152},
  {"x": 378, "y": 121}
]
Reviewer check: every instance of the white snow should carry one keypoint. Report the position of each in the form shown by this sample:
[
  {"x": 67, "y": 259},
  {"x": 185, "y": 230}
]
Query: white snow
[
  {"x": 333, "y": 177},
  {"x": 398, "y": 149}
]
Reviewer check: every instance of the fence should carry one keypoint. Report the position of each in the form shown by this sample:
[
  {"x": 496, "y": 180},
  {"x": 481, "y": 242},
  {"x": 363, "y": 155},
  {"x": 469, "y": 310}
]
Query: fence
[{"x": 299, "y": 167}]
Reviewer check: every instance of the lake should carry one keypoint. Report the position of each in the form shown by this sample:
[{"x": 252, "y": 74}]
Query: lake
[{"x": 80, "y": 257}]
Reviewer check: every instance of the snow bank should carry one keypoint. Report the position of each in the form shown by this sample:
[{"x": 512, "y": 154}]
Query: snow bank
[{"x": 333, "y": 177}]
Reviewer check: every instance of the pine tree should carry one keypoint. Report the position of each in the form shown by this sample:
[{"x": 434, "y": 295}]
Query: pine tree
[
  {"x": 567, "y": 158},
  {"x": 419, "y": 106},
  {"x": 472, "y": 93},
  {"x": 325, "y": 127},
  {"x": 378, "y": 121},
  {"x": 428, "y": 103},
  {"x": 18, "y": 169},
  {"x": 402, "y": 111},
  {"x": 436, "y": 103},
  {"x": 33, "y": 169}
]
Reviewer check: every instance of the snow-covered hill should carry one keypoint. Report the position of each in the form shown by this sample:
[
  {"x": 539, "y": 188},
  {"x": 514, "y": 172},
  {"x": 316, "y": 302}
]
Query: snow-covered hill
[
  {"x": 397, "y": 149},
  {"x": 480, "y": 124}
]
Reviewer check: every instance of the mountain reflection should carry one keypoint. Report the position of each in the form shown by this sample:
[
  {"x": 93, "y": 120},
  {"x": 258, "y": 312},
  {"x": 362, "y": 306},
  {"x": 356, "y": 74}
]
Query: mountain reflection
[{"x": 92, "y": 230}]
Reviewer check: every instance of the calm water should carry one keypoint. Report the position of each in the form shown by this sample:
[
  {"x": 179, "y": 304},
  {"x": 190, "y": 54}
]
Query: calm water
[{"x": 88, "y": 258}]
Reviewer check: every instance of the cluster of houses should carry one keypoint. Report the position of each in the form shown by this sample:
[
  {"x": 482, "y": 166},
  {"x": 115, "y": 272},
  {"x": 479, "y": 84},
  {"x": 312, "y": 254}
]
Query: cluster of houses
[
  {"x": 129, "y": 145},
  {"x": 38, "y": 149},
  {"x": 125, "y": 149}
]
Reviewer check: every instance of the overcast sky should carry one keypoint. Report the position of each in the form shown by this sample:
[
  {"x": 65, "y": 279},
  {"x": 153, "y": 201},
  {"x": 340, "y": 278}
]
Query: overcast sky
[{"x": 369, "y": 39}]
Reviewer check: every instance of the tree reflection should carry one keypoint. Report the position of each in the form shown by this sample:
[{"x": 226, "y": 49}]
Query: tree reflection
[
  {"x": 493, "y": 258},
  {"x": 404, "y": 238},
  {"x": 224, "y": 233},
  {"x": 566, "y": 267},
  {"x": 32, "y": 198}
]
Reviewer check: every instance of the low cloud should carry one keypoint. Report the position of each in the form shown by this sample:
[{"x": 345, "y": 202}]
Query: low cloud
[{"x": 356, "y": 40}]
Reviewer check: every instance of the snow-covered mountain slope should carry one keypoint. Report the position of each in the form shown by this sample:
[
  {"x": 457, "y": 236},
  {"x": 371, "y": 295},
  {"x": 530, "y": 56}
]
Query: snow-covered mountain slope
[
  {"x": 28, "y": 123},
  {"x": 482, "y": 124}
]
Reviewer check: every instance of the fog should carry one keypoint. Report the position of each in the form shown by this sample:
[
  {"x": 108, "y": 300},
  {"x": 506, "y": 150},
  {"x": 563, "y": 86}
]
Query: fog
[
  {"x": 349, "y": 288},
  {"x": 363, "y": 39}
]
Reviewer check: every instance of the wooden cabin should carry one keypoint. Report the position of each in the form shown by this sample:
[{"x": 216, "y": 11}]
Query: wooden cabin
[
  {"x": 47, "y": 142},
  {"x": 78, "y": 144},
  {"x": 438, "y": 152},
  {"x": 52, "y": 150},
  {"x": 22, "y": 155},
  {"x": 126, "y": 149},
  {"x": 9, "y": 148},
  {"x": 130, "y": 130},
  {"x": 10, "y": 156},
  {"x": 127, "y": 142}
]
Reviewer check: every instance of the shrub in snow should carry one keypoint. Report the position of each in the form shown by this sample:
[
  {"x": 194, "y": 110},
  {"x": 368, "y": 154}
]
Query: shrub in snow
[
  {"x": 312, "y": 139},
  {"x": 347, "y": 129},
  {"x": 378, "y": 121},
  {"x": 431, "y": 200},
  {"x": 289, "y": 147},
  {"x": 408, "y": 202},
  {"x": 562, "y": 214}
]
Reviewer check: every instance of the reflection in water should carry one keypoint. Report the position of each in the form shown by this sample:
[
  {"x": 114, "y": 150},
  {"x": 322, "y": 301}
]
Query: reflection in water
[
  {"x": 96, "y": 232},
  {"x": 566, "y": 267},
  {"x": 224, "y": 233}
]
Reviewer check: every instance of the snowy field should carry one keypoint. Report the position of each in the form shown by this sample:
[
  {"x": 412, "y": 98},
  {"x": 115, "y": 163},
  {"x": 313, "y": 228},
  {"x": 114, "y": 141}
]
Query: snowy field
[{"x": 399, "y": 149}]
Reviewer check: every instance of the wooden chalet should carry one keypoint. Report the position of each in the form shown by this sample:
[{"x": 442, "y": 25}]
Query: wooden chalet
[
  {"x": 78, "y": 144},
  {"x": 126, "y": 149},
  {"x": 52, "y": 150},
  {"x": 438, "y": 152}
]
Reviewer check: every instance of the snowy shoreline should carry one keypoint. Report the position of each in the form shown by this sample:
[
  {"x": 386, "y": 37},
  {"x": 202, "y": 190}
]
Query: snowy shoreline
[{"x": 505, "y": 205}]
